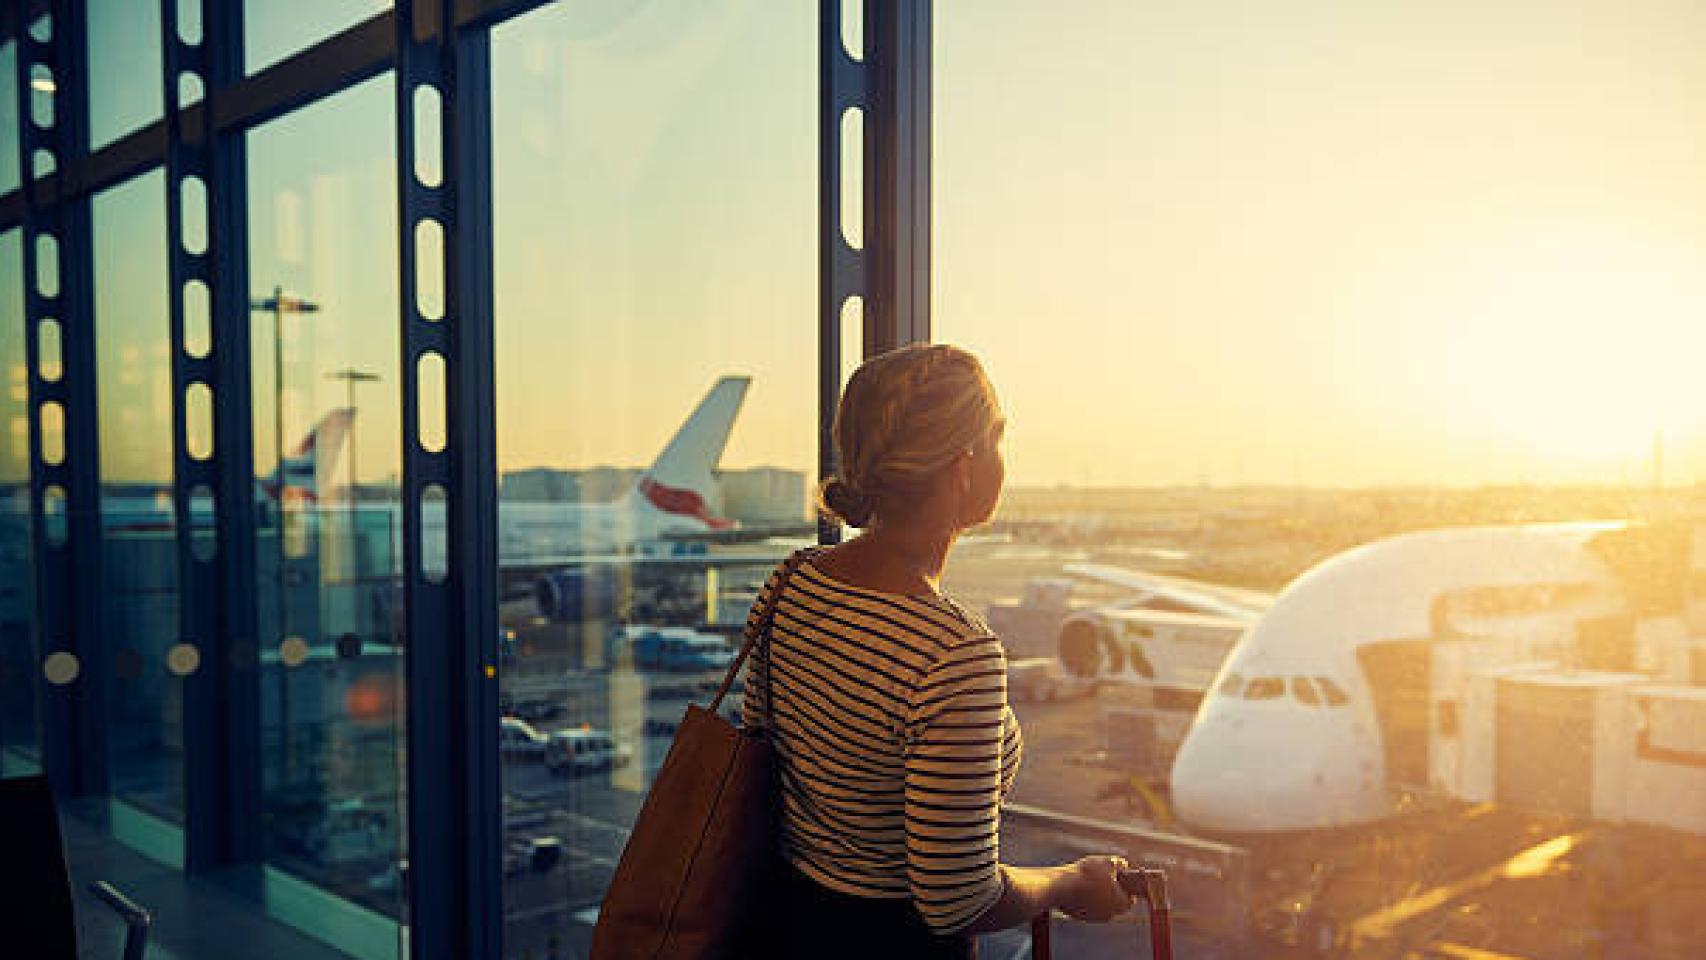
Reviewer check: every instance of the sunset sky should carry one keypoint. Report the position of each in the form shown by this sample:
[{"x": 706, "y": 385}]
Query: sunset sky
[
  {"x": 1342, "y": 244},
  {"x": 1326, "y": 243}
]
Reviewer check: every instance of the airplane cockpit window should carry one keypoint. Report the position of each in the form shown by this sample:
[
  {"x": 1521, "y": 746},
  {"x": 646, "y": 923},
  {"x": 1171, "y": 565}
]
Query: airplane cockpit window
[
  {"x": 1303, "y": 690},
  {"x": 1231, "y": 686},
  {"x": 1265, "y": 688},
  {"x": 1335, "y": 694}
]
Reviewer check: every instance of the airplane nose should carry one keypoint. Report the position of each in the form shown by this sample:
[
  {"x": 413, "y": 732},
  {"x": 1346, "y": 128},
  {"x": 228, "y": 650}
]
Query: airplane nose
[{"x": 1260, "y": 777}]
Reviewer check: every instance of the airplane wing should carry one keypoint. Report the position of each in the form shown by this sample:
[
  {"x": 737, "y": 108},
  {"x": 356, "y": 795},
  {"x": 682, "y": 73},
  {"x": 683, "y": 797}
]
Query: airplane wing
[{"x": 1193, "y": 595}]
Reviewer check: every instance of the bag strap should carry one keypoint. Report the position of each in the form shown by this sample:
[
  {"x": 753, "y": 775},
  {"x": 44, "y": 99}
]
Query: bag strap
[{"x": 761, "y": 631}]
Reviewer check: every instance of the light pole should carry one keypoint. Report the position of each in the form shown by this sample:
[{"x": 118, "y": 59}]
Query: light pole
[
  {"x": 278, "y": 305},
  {"x": 350, "y": 377}
]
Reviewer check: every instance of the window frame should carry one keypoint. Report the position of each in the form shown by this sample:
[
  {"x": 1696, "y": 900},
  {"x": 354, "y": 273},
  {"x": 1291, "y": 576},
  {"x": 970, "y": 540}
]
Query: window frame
[{"x": 455, "y": 901}]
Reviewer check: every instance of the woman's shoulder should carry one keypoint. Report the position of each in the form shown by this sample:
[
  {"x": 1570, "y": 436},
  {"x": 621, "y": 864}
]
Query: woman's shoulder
[
  {"x": 969, "y": 636},
  {"x": 972, "y": 625}
]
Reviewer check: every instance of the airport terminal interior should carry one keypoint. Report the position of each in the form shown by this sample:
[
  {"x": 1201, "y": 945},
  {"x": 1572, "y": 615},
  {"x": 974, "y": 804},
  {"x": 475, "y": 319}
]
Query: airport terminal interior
[{"x": 404, "y": 401}]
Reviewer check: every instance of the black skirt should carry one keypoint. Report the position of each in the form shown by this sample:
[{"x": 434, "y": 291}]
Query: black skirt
[{"x": 804, "y": 919}]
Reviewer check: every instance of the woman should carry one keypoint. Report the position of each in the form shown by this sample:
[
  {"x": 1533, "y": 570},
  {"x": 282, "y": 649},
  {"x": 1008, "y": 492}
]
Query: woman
[{"x": 888, "y": 699}]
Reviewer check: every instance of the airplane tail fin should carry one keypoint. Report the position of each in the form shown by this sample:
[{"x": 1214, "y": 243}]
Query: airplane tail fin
[
  {"x": 683, "y": 478},
  {"x": 308, "y": 466}
]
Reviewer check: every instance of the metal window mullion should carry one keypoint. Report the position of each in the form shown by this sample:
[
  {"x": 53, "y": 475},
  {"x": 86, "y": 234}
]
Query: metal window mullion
[
  {"x": 454, "y": 818},
  {"x": 51, "y": 566},
  {"x": 221, "y": 717},
  {"x": 843, "y": 272},
  {"x": 233, "y": 426},
  {"x": 472, "y": 426},
  {"x": 67, "y": 574},
  {"x": 897, "y": 173}
]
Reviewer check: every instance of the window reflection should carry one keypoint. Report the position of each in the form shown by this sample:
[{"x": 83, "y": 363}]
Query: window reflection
[
  {"x": 9, "y": 130},
  {"x": 656, "y": 365},
  {"x": 322, "y": 242},
  {"x": 20, "y": 738},
  {"x": 124, "y": 68},
  {"x": 138, "y": 522}
]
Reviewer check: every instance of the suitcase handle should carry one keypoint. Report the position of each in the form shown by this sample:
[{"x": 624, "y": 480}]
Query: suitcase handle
[
  {"x": 1145, "y": 883},
  {"x": 1150, "y": 885}
]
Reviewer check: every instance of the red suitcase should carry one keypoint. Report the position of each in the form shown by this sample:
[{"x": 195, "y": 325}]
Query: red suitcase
[{"x": 1147, "y": 885}]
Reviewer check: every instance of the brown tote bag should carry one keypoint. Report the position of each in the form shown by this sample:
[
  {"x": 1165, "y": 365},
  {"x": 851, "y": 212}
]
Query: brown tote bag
[{"x": 702, "y": 849}]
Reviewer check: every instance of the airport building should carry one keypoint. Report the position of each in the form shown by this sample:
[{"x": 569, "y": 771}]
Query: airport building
[
  {"x": 404, "y": 399},
  {"x": 765, "y": 495}
]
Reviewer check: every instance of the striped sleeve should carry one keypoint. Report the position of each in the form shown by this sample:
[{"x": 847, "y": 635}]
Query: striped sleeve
[
  {"x": 953, "y": 784},
  {"x": 1012, "y": 750},
  {"x": 751, "y": 703}
]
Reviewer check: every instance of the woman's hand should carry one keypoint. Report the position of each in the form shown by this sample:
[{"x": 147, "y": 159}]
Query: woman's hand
[{"x": 1092, "y": 891}]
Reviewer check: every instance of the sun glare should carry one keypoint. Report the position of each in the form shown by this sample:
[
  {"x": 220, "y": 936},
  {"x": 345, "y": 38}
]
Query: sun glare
[{"x": 1572, "y": 347}]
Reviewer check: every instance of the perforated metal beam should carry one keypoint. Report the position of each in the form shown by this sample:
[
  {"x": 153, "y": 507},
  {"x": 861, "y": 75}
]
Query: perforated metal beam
[
  {"x": 883, "y": 91},
  {"x": 450, "y": 587},
  {"x": 64, "y": 447},
  {"x": 213, "y": 483},
  {"x": 844, "y": 92}
]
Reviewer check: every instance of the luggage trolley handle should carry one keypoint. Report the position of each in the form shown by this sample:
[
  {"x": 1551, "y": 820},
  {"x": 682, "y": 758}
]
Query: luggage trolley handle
[
  {"x": 1150, "y": 885},
  {"x": 1145, "y": 883}
]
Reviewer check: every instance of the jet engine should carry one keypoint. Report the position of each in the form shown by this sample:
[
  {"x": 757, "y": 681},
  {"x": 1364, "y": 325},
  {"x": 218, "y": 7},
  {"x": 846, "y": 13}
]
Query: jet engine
[
  {"x": 1089, "y": 647},
  {"x": 580, "y": 593}
]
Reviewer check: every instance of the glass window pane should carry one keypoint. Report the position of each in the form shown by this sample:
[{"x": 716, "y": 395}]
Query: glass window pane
[
  {"x": 276, "y": 29},
  {"x": 20, "y": 738},
  {"x": 323, "y": 269},
  {"x": 8, "y": 117},
  {"x": 124, "y": 68},
  {"x": 674, "y": 271},
  {"x": 1340, "y": 304},
  {"x": 138, "y": 539}
]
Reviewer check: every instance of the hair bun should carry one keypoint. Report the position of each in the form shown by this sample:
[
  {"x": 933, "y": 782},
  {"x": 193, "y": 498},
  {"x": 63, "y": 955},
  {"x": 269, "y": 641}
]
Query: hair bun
[{"x": 839, "y": 499}]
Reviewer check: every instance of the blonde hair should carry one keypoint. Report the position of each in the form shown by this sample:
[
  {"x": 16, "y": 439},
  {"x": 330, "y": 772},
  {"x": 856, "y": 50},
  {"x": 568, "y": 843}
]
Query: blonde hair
[{"x": 904, "y": 416}]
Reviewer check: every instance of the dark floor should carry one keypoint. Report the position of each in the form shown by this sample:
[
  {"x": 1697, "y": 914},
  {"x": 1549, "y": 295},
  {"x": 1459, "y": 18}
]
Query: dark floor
[{"x": 193, "y": 919}]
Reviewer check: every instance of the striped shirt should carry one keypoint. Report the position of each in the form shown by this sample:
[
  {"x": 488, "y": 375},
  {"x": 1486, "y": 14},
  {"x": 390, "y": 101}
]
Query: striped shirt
[{"x": 894, "y": 739}]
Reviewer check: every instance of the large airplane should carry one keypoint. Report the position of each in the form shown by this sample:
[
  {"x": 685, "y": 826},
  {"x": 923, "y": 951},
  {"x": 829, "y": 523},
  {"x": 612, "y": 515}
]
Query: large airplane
[
  {"x": 674, "y": 500},
  {"x": 1352, "y": 682}
]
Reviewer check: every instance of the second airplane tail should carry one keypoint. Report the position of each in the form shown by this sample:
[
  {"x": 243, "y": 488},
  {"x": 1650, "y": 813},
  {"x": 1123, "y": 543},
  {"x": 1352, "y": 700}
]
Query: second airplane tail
[{"x": 682, "y": 480}]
